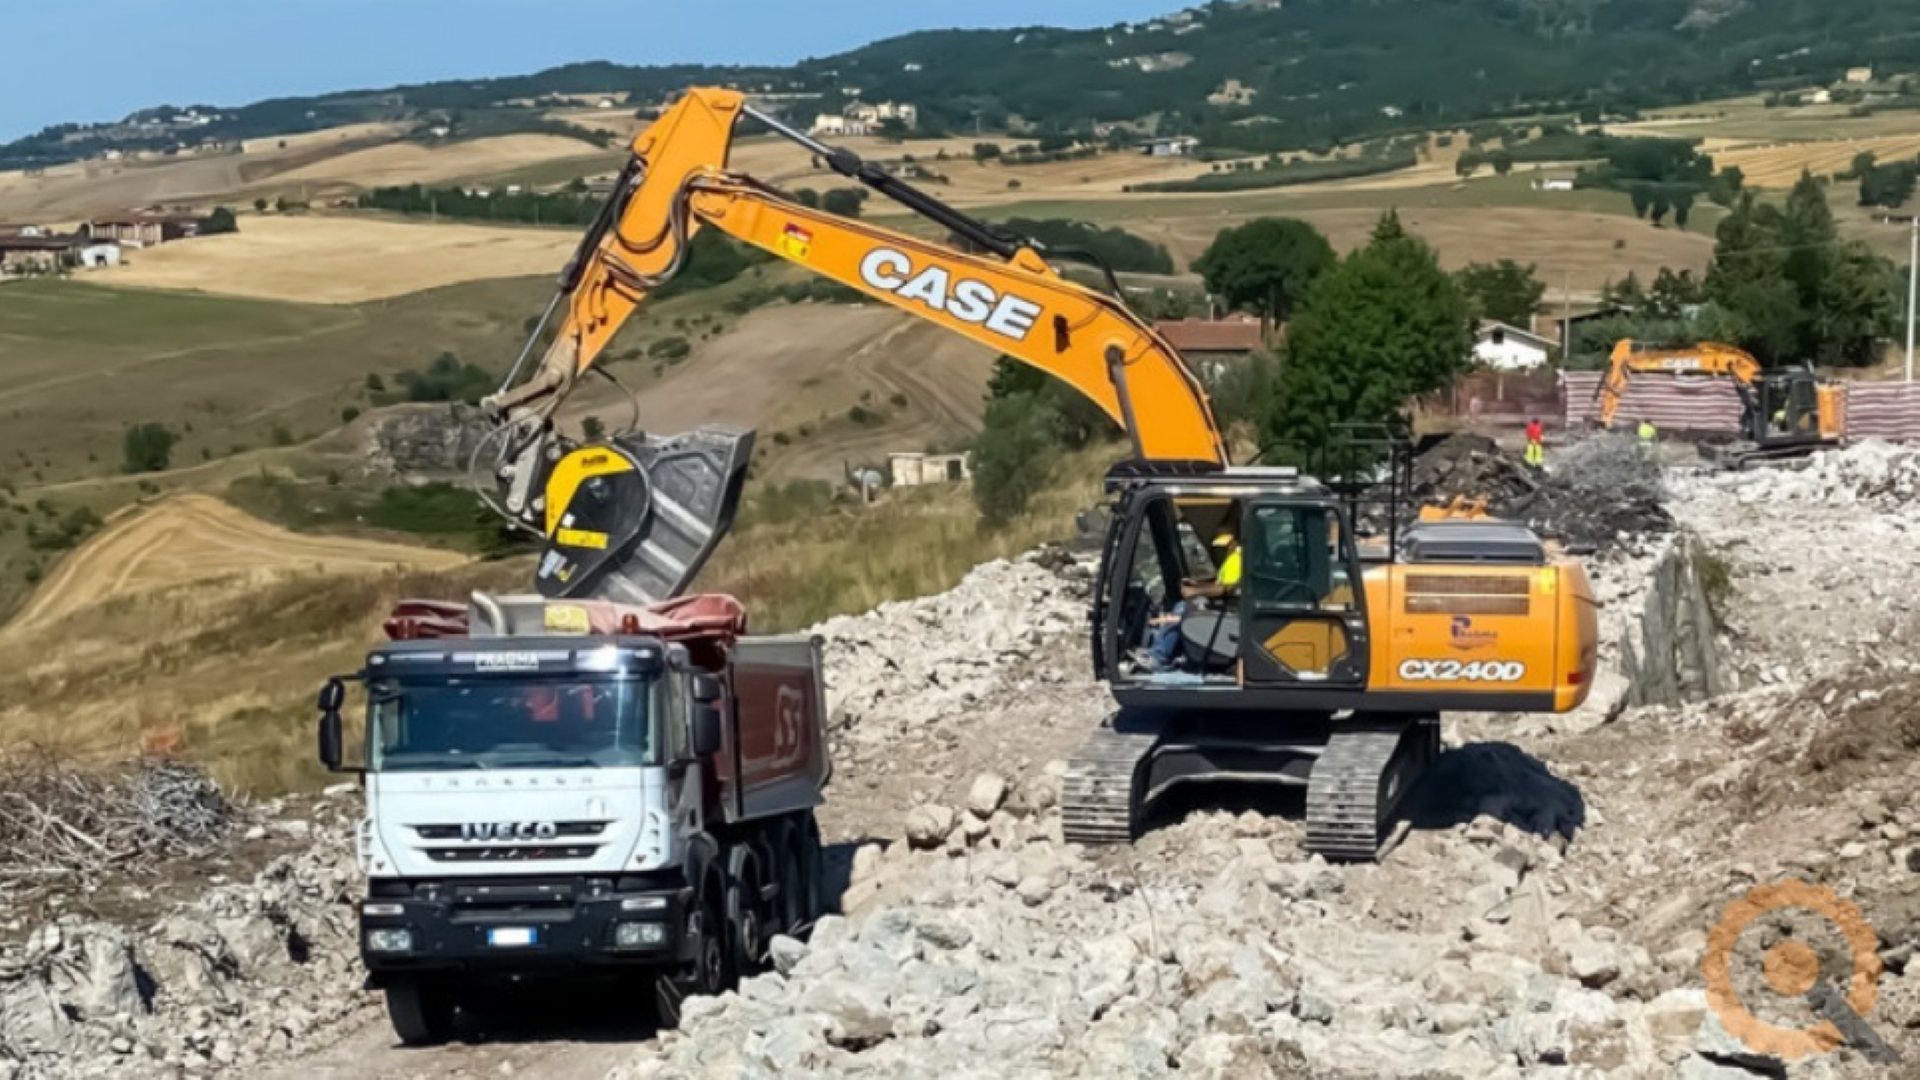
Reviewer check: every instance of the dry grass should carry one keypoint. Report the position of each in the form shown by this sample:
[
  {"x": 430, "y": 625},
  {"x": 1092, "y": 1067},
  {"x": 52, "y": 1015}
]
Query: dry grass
[
  {"x": 201, "y": 541},
  {"x": 846, "y": 559},
  {"x": 229, "y": 672},
  {"x": 343, "y": 259}
]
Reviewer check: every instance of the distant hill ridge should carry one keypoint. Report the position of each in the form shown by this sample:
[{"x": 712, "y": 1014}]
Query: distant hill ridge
[{"x": 1257, "y": 75}]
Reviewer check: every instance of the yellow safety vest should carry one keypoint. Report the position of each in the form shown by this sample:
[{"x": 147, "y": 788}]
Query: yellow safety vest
[
  {"x": 1646, "y": 431},
  {"x": 1230, "y": 569}
]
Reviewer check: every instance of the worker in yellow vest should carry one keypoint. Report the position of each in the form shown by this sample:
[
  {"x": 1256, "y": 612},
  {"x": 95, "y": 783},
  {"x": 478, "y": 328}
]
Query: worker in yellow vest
[{"x": 1647, "y": 436}]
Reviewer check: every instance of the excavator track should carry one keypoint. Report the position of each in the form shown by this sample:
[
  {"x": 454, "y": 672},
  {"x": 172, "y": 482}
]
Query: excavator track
[
  {"x": 1361, "y": 779},
  {"x": 1097, "y": 796}
]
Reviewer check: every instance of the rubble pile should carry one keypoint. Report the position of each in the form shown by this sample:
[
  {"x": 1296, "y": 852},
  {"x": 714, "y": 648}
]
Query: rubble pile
[
  {"x": 1600, "y": 492},
  {"x": 977, "y": 640},
  {"x": 1871, "y": 472},
  {"x": 248, "y": 971}
]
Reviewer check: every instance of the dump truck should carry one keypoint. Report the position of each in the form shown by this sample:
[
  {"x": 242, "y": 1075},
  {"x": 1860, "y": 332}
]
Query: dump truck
[{"x": 580, "y": 790}]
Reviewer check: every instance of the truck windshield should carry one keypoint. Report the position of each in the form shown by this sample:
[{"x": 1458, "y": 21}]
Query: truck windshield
[{"x": 560, "y": 723}]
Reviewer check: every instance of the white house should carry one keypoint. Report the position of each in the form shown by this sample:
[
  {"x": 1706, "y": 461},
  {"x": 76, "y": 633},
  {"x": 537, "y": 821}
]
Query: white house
[
  {"x": 1509, "y": 348},
  {"x": 915, "y": 470}
]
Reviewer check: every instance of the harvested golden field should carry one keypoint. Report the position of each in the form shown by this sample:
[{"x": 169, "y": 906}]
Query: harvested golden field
[
  {"x": 1779, "y": 165},
  {"x": 201, "y": 541},
  {"x": 343, "y": 259},
  {"x": 412, "y": 163},
  {"x": 1584, "y": 248}
]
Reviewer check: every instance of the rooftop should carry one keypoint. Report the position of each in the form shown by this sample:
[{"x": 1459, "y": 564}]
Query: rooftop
[{"x": 1207, "y": 336}]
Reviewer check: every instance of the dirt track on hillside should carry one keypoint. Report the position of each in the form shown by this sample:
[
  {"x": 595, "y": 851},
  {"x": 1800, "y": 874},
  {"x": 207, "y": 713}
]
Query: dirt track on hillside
[{"x": 195, "y": 538}]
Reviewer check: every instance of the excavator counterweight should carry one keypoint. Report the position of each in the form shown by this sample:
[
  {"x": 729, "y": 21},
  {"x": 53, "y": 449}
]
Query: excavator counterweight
[{"x": 1247, "y": 630}]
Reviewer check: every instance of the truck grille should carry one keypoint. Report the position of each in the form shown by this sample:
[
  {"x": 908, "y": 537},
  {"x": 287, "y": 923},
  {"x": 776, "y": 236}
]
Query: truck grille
[
  {"x": 562, "y": 830},
  {"x": 522, "y": 853}
]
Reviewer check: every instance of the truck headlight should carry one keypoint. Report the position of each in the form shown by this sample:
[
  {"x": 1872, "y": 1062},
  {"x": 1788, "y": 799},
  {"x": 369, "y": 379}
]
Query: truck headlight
[
  {"x": 632, "y": 935},
  {"x": 644, "y": 903},
  {"x": 389, "y": 941}
]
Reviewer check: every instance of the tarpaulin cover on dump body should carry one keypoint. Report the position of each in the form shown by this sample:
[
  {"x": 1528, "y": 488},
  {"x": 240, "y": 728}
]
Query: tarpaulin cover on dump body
[{"x": 704, "y": 617}]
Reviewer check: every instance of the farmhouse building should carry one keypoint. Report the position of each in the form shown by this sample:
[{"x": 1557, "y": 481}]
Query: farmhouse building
[{"x": 1509, "y": 348}]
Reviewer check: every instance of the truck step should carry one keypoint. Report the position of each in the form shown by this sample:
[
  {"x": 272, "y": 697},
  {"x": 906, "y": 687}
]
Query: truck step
[
  {"x": 1362, "y": 777},
  {"x": 1097, "y": 797}
]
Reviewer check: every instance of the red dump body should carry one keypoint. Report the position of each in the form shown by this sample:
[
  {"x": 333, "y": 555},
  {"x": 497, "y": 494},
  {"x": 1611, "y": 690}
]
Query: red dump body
[{"x": 773, "y": 757}]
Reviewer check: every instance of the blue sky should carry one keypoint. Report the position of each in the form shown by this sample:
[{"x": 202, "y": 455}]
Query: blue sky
[{"x": 90, "y": 60}]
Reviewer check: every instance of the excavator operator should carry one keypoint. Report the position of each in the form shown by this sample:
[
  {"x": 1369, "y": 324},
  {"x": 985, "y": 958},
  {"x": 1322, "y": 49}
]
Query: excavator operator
[{"x": 1166, "y": 640}]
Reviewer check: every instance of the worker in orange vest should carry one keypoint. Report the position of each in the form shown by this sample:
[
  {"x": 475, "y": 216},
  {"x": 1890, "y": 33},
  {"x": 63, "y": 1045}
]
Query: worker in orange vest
[{"x": 1536, "y": 446}]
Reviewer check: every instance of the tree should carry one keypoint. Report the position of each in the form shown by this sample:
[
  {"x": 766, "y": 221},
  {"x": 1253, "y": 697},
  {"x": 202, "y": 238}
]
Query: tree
[
  {"x": 375, "y": 383},
  {"x": 260, "y": 206},
  {"x": 593, "y": 429},
  {"x": 985, "y": 152},
  {"x": 148, "y": 447},
  {"x": 844, "y": 202},
  {"x": 1504, "y": 291},
  {"x": 1384, "y": 326},
  {"x": 1791, "y": 290},
  {"x": 220, "y": 221},
  {"x": 1077, "y": 421},
  {"x": 1266, "y": 265},
  {"x": 1642, "y": 199},
  {"x": 1013, "y": 455},
  {"x": 893, "y": 129},
  {"x": 1502, "y": 162}
]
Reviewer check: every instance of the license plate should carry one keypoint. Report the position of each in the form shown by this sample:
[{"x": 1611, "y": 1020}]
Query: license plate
[{"x": 510, "y": 936}]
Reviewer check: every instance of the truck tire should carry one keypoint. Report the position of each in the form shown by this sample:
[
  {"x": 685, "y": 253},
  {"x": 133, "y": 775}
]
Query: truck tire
[
  {"x": 421, "y": 1012},
  {"x": 746, "y": 918},
  {"x": 813, "y": 870}
]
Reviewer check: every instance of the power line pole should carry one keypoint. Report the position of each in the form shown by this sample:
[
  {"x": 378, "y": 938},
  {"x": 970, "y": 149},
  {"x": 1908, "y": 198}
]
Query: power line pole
[{"x": 1913, "y": 277}]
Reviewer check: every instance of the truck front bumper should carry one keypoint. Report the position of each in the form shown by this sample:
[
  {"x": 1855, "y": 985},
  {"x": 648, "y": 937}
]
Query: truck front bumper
[{"x": 410, "y": 935}]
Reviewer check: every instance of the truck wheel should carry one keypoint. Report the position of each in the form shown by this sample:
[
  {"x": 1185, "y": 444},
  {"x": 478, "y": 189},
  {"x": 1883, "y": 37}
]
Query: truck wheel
[
  {"x": 813, "y": 871},
  {"x": 709, "y": 971},
  {"x": 746, "y": 921},
  {"x": 421, "y": 1012}
]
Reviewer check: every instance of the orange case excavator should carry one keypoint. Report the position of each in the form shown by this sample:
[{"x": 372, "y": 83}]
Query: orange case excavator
[{"x": 1326, "y": 666}]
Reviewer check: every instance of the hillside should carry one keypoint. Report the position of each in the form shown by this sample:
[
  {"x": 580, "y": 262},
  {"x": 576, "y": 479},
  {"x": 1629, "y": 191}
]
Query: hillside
[{"x": 1256, "y": 74}]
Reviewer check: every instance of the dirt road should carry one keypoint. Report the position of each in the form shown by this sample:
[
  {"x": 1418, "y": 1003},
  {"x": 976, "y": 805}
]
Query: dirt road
[{"x": 192, "y": 538}]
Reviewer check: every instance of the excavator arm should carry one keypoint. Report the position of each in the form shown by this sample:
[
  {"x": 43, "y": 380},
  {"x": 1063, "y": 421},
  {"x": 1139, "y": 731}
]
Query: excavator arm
[
  {"x": 1707, "y": 358},
  {"x": 662, "y": 505}
]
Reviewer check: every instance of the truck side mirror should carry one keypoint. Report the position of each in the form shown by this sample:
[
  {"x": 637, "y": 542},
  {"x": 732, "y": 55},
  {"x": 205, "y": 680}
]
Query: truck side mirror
[
  {"x": 331, "y": 737},
  {"x": 330, "y": 741},
  {"x": 707, "y": 689},
  {"x": 706, "y": 730}
]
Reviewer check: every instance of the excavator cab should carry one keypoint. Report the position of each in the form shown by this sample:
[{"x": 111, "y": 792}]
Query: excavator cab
[{"x": 1292, "y": 620}]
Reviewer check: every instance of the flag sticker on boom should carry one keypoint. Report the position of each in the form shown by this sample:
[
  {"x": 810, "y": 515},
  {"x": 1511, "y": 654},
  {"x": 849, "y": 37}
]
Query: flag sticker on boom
[{"x": 796, "y": 242}]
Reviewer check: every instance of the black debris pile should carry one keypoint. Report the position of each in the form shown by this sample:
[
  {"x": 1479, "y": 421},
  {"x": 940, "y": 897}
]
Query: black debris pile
[{"x": 1598, "y": 491}]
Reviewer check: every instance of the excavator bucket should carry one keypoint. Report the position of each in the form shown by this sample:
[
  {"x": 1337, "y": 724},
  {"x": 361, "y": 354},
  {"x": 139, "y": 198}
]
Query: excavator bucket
[{"x": 634, "y": 520}]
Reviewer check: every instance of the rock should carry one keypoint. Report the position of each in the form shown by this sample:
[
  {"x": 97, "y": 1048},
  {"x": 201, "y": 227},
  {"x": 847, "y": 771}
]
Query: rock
[
  {"x": 988, "y": 792},
  {"x": 856, "y": 1012},
  {"x": 1033, "y": 890},
  {"x": 928, "y": 826},
  {"x": 941, "y": 932},
  {"x": 786, "y": 952},
  {"x": 1594, "y": 963}
]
